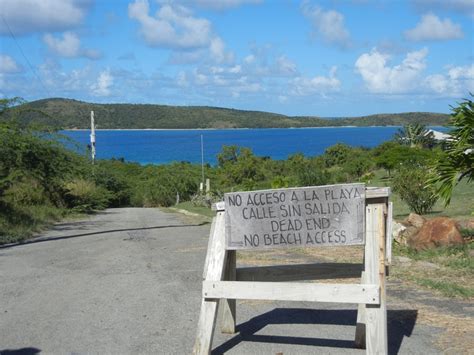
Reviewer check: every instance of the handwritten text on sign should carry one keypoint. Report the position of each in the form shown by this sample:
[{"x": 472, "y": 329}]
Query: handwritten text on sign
[{"x": 332, "y": 215}]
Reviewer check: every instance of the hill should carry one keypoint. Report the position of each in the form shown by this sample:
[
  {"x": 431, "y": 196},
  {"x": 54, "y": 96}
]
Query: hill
[{"x": 73, "y": 114}]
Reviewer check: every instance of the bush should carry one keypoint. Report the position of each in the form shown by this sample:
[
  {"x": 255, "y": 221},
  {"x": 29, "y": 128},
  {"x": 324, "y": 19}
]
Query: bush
[
  {"x": 411, "y": 183},
  {"x": 85, "y": 196}
]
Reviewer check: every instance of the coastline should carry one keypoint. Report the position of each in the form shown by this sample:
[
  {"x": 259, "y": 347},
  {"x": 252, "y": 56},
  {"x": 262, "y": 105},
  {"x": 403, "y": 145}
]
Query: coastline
[{"x": 217, "y": 129}]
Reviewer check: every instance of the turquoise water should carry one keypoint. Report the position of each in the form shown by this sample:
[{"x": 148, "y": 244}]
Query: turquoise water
[{"x": 158, "y": 147}]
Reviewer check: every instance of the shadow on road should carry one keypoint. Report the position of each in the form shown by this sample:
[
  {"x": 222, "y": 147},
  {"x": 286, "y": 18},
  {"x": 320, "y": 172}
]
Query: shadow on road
[
  {"x": 49, "y": 239},
  {"x": 23, "y": 351},
  {"x": 400, "y": 325}
]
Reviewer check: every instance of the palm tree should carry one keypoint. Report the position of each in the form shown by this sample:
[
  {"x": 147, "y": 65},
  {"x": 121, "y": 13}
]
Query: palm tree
[
  {"x": 458, "y": 162},
  {"x": 415, "y": 135}
]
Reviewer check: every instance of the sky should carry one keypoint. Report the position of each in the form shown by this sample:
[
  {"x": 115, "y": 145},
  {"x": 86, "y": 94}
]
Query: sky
[{"x": 319, "y": 58}]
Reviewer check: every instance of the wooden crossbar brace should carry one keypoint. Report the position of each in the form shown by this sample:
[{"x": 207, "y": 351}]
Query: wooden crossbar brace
[{"x": 291, "y": 291}]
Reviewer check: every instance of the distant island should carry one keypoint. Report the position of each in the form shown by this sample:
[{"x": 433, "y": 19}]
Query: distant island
[{"x": 73, "y": 114}]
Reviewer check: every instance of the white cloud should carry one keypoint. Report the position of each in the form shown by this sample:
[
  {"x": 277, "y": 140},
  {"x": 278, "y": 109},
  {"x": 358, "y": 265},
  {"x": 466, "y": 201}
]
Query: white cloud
[
  {"x": 218, "y": 52},
  {"x": 175, "y": 27},
  {"x": 249, "y": 59},
  {"x": 224, "y": 4},
  {"x": 29, "y": 16},
  {"x": 432, "y": 28},
  {"x": 285, "y": 66},
  {"x": 381, "y": 78},
  {"x": 465, "y": 7},
  {"x": 456, "y": 82},
  {"x": 327, "y": 24},
  {"x": 102, "y": 86},
  {"x": 69, "y": 46},
  {"x": 8, "y": 65},
  {"x": 303, "y": 86},
  {"x": 182, "y": 80},
  {"x": 172, "y": 27}
]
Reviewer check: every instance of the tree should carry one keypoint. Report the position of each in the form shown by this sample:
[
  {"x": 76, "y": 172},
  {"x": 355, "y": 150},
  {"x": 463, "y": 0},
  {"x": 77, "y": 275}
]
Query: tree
[
  {"x": 458, "y": 162},
  {"x": 410, "y": 182},
  {"x": 337, "y": 154},
  {"x": 415, "y": 135}
]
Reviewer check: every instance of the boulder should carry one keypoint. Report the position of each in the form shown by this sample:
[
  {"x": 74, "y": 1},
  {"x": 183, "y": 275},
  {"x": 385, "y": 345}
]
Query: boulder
[
  {"x": 415, "y": 220},
  {"x": 439, "y": 231},
  {"x": 397, "y": 230},
  {"x": 407, "y": 234},
  {"x": 466, "y": 224}
]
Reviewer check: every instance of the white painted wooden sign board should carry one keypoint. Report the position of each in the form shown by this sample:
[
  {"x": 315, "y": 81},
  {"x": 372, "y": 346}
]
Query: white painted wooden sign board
[
  {"x": 359, "y": 211},
  {"x": 310, "y": 217}
]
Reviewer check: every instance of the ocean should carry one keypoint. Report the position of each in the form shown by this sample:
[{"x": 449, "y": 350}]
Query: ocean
[{"x": 165, "y": 146}]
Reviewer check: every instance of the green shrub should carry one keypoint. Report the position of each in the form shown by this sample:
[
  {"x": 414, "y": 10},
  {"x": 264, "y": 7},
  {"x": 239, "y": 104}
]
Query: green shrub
[
  {"x": 85, "y": 196},
  {"x": 411, "y": 183}
]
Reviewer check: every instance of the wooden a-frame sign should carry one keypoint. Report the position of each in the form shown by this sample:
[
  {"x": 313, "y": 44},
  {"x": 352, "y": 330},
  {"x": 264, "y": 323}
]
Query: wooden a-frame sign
[{"x": 321, "y": 216}]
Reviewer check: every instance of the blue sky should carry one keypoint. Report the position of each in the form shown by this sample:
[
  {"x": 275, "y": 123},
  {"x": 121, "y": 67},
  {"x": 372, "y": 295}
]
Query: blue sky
[{"x": 322, "y": 58}]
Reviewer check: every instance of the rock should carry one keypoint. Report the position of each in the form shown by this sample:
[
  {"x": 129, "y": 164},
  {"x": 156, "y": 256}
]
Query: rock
[
  {"x": 407, "y": 234},
  {"x": 465, "y": 224},
  {"x": 415, "y": 220},
  {"x": 439, "y": 231},
  {"x": 397, "y": 230}
]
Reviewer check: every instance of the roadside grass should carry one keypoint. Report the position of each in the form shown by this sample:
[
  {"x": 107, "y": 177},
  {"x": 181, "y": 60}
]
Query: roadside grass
[
  {"x": 190, "y": 207},
  {"x": 22, "y": 223},
  {"x": 447, "y": 270},
  {"x": 448, "y": 289}
]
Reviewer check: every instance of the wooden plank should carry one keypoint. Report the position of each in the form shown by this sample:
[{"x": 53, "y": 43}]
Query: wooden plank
[
  {"x": 377, "y": 192},
  {"x": 214, "y": 271},
  {"x": 299, "y": 272},
  {"x": 331, "y": 215},
  {"x": 229, "y": 305},
  {"x": 218, "y": 206},
  {"x": 290, "y": 291},
  {"x": 209, "y": 245},
  {"x": 389, "y": 235},
  {"x": 376, "y": 314}
]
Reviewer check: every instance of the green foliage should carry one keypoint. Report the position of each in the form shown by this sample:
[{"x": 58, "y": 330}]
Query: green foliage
[
  {"x": 458, "y": 162},
  {"x": 65, "y": 113},
  {"x": 240, "y": 167},
  {"x": 337, "y": 154},
  {"x": 159, "y": 185},
  {"x": 411, "y": 183},
  {"x": 358, "y": 166},
  {"x": 280, "y": 182},
  {"x": 391, "y": 155},
  {"x": 85, "y": 196},
  {"x": 415, "y": 135}
]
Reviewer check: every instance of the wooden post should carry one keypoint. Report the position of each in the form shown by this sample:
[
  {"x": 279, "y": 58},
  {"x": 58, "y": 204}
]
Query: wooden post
[
  {"x": 228, "y": 305},
  {"x": 208, "y": 188},
  {"x": 92, "y": 137},
  {"x": 214, "y": 270},
  {"x": 376, "y": 315}
]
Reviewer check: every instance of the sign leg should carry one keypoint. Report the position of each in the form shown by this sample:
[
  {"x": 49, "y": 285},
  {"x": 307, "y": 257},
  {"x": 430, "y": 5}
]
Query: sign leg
[
  {"x": 376, "y": 321},
  {"x": 215, "y": 262},
  {"x": 229, "y": 305}
]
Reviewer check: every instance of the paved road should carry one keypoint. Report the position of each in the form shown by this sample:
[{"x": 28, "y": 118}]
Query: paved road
[{"x": 129, "y": 281}]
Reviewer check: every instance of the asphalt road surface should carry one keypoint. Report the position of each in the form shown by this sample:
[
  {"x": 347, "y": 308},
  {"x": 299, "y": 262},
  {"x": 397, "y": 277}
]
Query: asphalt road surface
[{"x": 128, "y": 281}]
